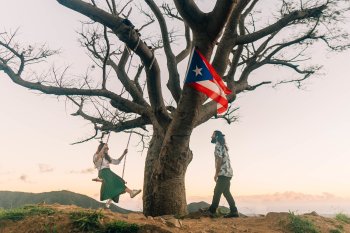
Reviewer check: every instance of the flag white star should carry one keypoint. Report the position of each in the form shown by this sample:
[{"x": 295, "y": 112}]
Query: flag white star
[{"x": 198, "y": 71}]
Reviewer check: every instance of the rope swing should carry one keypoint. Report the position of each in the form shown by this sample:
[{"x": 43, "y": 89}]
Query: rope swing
[
  {"x": 97, "y": 179},
  {"x": 127, "y": 146}
]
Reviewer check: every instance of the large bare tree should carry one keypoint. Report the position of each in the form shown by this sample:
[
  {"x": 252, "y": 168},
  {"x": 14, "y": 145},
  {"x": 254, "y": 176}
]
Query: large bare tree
[{"x": 233, "y": 35}]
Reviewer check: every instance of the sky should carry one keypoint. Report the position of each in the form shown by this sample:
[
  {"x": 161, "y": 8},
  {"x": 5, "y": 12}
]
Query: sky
[{"x": 289, "y": 149}]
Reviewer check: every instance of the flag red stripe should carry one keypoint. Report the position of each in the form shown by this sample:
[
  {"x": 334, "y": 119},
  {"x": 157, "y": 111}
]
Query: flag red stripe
[
  {"x": 216, "y": 76},
  {"x": 220, "y": 99}
]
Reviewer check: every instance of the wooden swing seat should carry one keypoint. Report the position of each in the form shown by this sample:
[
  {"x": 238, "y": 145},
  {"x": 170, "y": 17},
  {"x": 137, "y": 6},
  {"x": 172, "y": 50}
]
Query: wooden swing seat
[{"x": 97, "y": 179}]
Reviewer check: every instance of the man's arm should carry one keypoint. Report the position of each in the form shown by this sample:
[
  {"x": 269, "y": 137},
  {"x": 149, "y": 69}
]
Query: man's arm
[{"x": 217, "y": 167}]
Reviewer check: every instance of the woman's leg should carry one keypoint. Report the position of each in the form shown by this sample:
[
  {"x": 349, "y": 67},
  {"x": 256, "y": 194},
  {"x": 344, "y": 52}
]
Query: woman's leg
[
  {"x": 108, "y": 203},
  {"x": 128, "y": 190},
  {"x": 133, "y": 192}
]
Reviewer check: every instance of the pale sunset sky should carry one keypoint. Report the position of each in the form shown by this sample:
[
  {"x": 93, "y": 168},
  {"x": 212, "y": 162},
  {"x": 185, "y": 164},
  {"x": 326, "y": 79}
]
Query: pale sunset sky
[{"x": 290, "y": 149}]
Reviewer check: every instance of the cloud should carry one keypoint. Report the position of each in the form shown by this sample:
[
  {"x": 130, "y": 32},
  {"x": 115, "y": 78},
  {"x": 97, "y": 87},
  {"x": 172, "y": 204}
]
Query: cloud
[
  {"x": 5, "y": 173},
  {"x": 324, "y": 203},
  {"x": 45, "y": 168},
  {"x": 23, "y": 178},
  {"x": 289, "y": 197},
  {"x": 84, "y": 171}
]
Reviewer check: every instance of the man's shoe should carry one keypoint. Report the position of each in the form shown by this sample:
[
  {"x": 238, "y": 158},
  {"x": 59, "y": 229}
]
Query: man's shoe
[
  {"x": 134, "y": 192},
  {"x": 232, "y": 215},
  {"x": 205, "y": 212}
]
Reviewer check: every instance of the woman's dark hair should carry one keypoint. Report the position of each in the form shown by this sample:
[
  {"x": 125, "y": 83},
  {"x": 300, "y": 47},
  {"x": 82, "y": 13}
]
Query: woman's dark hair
[
  {"x": 220, "y": 137},
  {"x": 109, "y": 159}
]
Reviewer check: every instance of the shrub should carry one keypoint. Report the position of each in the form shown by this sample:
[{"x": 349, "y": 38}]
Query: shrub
[
  {"x": 20, "y": 213},
  {"x": 299, "y": 225},
  {"x": 343, "y": 218},
  {"x": 121, "y": 227},
  {"x": 86, "y": 220},
  {"x": 12, "y": 214},
  {"x": 335, "y": 231}
]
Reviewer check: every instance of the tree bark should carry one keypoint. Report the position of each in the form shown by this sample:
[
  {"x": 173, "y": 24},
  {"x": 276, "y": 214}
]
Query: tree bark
[{"x": 164, "y": 178}]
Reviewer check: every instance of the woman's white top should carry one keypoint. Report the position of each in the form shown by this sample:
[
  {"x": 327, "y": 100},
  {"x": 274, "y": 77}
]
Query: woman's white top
[{"x": 103, "y": 163}]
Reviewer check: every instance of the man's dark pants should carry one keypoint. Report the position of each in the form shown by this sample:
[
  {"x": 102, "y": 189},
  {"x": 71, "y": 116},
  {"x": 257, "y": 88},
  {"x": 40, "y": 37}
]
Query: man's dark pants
[{"x": 223, "y": 187}]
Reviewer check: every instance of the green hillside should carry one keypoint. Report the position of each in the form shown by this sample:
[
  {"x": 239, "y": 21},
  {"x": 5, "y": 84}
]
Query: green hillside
[{"x": 9, "y": 200}]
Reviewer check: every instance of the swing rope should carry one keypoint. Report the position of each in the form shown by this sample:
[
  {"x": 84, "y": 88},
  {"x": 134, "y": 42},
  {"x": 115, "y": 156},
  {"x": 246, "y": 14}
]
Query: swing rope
[
  {"x": 127, "y": 146},
  {"x": 109, "y": 134}
]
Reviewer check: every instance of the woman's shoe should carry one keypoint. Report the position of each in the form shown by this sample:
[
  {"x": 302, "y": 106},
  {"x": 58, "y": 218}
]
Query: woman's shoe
[
  {"x": 108, "y": 203},
  {"x": 134, "y": 192}
]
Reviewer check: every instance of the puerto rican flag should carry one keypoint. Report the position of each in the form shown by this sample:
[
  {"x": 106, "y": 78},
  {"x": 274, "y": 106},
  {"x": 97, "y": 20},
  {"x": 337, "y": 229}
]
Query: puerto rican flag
[{"x": 202, "y": 76}]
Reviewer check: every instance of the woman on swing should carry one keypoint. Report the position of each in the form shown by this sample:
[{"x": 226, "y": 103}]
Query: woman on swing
[{"x": 112, "y": 185}]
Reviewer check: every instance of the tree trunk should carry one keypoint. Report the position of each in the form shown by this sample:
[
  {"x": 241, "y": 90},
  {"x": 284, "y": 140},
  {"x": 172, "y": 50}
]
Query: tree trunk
[{"x": 164, "y": 180}]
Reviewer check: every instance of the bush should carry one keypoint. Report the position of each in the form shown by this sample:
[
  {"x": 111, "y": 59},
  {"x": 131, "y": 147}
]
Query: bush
[
  {"x": 343, "y": 218},
  {"x": 86, "y": 220},
  {"x": 299, "y": 225},
  {"x": 12, "y": 214},
  {"x": 20, "y": 213},
  {"x": 335, "y": 231},
  {"x": 121, "y": 227}
]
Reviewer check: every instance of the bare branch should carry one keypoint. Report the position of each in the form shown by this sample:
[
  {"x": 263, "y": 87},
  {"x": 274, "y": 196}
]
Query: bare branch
[
  {"x": 174, "y": 79},
  {"x": 251, "y": 88},
  {"x": 106, "y": 58},
  {"x": 184, "y": 53},
  {"x": 297, "y": 81},
  {"x": 126, "y": 33},
  {"x": 87, "y": 139},
  {"x": 315, "y": 12},
  {"x": 230, "y": 34},
  {"x": 228, "y": 116},
  {"x": 190, "y": 12},
  {"x": 125, "y": 6},
  {"x": 169, "y": 11},
  {"x": 60, "y": 91}
]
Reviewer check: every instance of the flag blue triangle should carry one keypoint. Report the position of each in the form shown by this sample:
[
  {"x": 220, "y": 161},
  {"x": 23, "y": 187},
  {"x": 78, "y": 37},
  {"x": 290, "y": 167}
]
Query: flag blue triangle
[{"x": 197, "y": 70}]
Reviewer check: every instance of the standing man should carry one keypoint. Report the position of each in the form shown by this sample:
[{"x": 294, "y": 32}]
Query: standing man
[{"x": 223, "y": 175}]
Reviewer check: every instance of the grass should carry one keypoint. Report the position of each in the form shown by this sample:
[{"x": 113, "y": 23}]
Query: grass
[
  {"x": 86, "y": 221},
  {"x": 82, "y": 221},
  {"x": 28, "y": 210},
  {"x": 300, "y": 225},
  {"x": 49, "y": 229},
  {"x": 335, "y": 231},
  {"x": 90, "y": 221},
  {"x": 121, "y": 227},
  {"x": 343, "y": 218}
]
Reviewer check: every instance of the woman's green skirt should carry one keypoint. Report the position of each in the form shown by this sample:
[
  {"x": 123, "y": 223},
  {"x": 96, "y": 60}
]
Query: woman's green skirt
[{"x": 112, "y": 185}]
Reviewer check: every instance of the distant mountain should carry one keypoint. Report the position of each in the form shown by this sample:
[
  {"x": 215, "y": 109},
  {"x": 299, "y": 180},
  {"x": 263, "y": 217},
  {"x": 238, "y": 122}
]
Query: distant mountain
[{"x": 18, "y": 199}]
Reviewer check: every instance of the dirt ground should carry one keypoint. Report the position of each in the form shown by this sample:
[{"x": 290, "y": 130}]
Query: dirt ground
[{"x": 195, "y": 223}]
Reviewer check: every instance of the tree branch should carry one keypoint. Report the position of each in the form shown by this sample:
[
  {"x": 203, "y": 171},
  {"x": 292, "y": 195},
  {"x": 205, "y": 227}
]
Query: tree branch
[
  {"x": 315, "y": 12},
  {"x": 130, "y": 37},
  {"x": 128, "y": 105},
  {"x": 184, "y": 53},
  {"x": 190, "y": 12},
  {"x": 227, "y": 41},
  {"x": 174, "y": 79}
]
